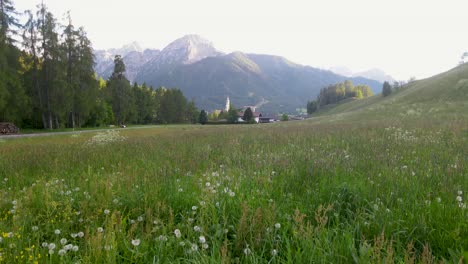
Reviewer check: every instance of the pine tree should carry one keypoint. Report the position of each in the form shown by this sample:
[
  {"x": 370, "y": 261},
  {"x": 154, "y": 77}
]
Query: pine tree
[
  {"x": 121, "y": 97},
  {"x": 32, "y": 66},
  {"x": 13, "y": 98},
  {"x": 248, "y": 115},
  {"x": 203, "y": 118},
  {"x": 87, "y": 86},
  {"x": 386, "y": 89}
]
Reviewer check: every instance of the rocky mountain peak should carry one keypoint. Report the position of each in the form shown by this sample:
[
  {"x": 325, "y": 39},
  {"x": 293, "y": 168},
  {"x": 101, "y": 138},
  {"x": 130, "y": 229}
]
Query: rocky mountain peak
[{"x": 189, "y": 49}]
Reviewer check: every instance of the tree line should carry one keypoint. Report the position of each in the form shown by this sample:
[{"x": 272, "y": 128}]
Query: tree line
[
  {"x": 335, "y": 93},
  {"x": 47, "y": 79}
]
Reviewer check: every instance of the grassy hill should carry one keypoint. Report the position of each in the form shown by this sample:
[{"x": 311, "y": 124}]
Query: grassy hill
[{"x": 441, "y": 96}]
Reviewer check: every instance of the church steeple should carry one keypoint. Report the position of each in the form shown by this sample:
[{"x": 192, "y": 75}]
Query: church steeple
[{"x": 228, "y": 104}]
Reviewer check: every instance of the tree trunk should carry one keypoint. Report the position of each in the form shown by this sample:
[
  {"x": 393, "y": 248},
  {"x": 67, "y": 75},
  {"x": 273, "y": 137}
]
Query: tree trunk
[{"x": 57, "y": 126}]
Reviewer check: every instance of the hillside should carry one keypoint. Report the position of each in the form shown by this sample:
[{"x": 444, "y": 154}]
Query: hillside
[{"x": 445, "y": 94}]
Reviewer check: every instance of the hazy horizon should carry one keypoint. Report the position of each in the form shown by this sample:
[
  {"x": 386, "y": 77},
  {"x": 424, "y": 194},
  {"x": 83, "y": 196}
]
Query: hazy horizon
[{"x": 420, "y": 39}]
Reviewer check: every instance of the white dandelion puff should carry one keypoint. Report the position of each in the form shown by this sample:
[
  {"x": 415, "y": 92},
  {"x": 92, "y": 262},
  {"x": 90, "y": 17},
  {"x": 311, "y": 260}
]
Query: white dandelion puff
[
  {"x": 177, "y": 233},
  {"x": 136, "y": 242},
  {"x": 202, "y": 239}
]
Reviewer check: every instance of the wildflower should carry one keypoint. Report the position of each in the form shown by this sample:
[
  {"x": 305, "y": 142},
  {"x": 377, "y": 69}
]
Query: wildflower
[
  {"x": 460, "y": 193},
  {"x": 182, "y": 243},
  {"x": 14, "y": 202},
  {"x": 140, "y": 219},
  {"x": 194, "y": 208},
  {"x": 459, "y": 199},
  {"x": 205, "y": 246},
  {"x": 57, "y": 231},
  {"x": 197, "y": 229},
  {"x": 51, "y": 246},
  {"x": 177, "y": 233},
  {"x": 274, "y": 252},
  {"x": 202, "y": 203},
  {"x": 277, "y": 225},
  {"x": 202, "y": 239},
  {"x": 44, "y": 244},
  {"x": 162, "y": 238},
  {"x": 181, "y": 190},
  {"x": 68, "y": 247},
  {"x": 73, "y": 235},
  {"x": 51, "y": 251},
  {"x": 376, "y": 207},
  {"x": 247, "y": 251},
  {"x": 136, "y": 242},
  {"x": 62, "y": 252},
  {"x": 438, "y": 199},
  {"x": 115, "y": 201},
  {"x": 63, "y": 241},
  {"x": 194, "y": 247},
  {"x": 80, "y": 234},
  {"x": 232, "y": 194},
  {"x": 207, "y": 184},
  {"x": 100, "y": 229},
  {"x": 106, "y": 211},
  {"x": 75, "y": 248},
  {"x": 10, "y": 234}
]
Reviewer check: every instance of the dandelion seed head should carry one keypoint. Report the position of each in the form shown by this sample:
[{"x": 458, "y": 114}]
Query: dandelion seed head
[
  {"x": 62, "y": 252},
  {"x": 57, "y": 231},
  {"x": 68, "y": 247},
  {"x": 177, "y": 233},
  {"x": 202, "y": 239},
  {"x": 277, "y": 225},
  {"x": 136, "y": 242},
  {"x": 63, "y": 241},
  {"x": 247, "y": 251}
]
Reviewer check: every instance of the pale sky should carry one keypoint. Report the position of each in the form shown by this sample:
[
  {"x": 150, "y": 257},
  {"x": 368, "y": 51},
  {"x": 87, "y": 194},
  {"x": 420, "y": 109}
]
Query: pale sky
[{"x": 402, "y": 37}]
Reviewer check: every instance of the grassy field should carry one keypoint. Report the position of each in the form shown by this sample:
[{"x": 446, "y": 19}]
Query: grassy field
[
  {"x": 293, "y": 192},
  {"x": 380, "y": 180}
]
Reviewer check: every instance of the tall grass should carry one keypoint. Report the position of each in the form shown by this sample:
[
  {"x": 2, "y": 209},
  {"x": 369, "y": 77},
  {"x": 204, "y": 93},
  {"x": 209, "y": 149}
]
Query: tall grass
[{"x": 297, "y": 192}]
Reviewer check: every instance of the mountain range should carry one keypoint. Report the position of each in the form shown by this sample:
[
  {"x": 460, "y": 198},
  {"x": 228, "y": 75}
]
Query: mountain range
[
  {"x": 207, "y": 75},
  {"x": 373, "y": 74}
]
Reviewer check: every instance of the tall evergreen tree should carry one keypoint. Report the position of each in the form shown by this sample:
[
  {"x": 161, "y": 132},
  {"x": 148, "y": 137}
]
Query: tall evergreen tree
[
  {"x": 120, "y": 92},
  {"x": 248, "y": 115},
  {"x": 203, "y": 118},
  {"x": 13, "y": 98},
  {"x": 386, "y": 89},
  {"x": 52, "y": 70},
  {"x": 87, "y": 86}
]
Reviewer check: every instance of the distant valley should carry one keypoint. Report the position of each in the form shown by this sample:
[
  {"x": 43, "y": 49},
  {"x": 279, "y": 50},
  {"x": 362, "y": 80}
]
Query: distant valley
[{"x": 208, "y": 75}]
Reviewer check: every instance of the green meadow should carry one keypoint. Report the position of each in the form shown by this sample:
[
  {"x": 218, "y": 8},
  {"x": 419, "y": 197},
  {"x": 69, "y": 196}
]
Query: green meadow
[{"x": 291, "y": 192}]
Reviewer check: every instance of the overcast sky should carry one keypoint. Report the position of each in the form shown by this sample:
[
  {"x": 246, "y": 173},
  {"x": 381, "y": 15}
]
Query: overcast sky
[{"x": 403, "y": 37}]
